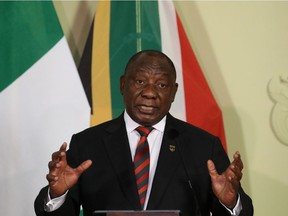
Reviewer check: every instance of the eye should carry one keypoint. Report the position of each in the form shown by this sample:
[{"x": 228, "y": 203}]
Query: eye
[
  {"x": 162, "y": 85},
  {"x": 139, "y": 82}
]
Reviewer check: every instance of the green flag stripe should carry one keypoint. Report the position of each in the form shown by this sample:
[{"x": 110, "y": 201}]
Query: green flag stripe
[
  {"x": 134, "y": 26},
  {"x": 19, "y": 50}
]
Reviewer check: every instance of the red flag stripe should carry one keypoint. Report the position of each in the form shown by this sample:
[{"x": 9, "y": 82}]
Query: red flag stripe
[{"x": 201, "y": 107}]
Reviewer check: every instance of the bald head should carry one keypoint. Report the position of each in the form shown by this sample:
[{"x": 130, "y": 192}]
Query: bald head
[{"x": 153, "y": 59}]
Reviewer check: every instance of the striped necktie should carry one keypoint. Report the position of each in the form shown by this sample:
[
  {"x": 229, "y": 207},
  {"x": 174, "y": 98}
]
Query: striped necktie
[{"x": 142, "y": 163}]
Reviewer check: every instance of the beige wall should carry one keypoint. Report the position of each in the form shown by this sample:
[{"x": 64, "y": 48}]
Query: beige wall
[{"x": 241, "y": 46}]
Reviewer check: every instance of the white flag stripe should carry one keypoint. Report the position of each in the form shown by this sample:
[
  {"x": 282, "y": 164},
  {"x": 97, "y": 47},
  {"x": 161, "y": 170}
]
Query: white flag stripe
[
  {"x": 39, "y": 111},
  {"x": 171, "y": 47}
]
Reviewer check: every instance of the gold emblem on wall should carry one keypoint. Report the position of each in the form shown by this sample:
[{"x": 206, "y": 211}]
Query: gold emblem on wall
[{"x": 278, "y": 91}]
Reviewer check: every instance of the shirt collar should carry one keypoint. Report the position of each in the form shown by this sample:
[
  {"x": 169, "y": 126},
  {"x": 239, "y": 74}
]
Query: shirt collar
[{"x": 131, "y": 124}]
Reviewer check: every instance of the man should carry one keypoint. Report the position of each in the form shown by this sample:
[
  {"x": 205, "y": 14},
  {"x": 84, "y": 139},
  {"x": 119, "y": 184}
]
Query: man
[{"x": 188, "y": 168}]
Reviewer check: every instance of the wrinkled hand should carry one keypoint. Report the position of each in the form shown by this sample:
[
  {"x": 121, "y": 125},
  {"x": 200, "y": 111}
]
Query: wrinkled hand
[
  {"x": 61, "y": 176},
  {"x": 226, "y": 185}
]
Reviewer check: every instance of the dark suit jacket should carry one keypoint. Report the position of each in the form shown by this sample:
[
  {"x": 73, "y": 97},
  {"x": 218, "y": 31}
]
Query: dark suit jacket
[{"x": 109, "y": 184}]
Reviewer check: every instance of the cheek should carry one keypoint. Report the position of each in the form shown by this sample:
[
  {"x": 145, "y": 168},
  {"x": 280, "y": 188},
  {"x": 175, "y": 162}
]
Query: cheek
[
  {"x": 167, "y": 97},
  {"x": 130, "y": 95}
]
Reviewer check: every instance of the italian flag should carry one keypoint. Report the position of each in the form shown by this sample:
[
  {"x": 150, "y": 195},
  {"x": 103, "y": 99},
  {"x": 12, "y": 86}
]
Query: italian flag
[
  {"x": 121, "y": 29},
  {"x": 42, "y": 101}
]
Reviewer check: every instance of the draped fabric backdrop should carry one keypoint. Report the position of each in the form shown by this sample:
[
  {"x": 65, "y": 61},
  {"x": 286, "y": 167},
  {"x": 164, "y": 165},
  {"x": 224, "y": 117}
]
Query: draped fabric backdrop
[{"x": 42, "y": 101}]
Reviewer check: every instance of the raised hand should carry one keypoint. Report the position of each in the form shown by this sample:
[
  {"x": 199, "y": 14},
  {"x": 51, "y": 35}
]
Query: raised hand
[
  {"x": 61, "y": 176},
  {"x": 225, "y": 186}
]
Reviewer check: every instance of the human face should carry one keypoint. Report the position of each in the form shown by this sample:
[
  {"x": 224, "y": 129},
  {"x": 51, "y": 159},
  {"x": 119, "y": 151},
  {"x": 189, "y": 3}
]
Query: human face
[{"x": 148, "y": 89}]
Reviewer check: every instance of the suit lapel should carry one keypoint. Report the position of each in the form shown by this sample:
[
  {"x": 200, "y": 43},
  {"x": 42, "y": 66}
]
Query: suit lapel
[
  {"x": 118, "y": 148},
  {"x": 168, "y": 162}
]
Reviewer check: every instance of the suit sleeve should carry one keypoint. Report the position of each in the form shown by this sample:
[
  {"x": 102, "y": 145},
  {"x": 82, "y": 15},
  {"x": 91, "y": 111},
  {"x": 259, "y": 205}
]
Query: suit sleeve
[
  {"x": 221, "y": 161},
  {"x": 71, "y": 205}
]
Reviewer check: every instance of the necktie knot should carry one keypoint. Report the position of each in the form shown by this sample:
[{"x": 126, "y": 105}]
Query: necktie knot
[{"x": 144, "y": 131}]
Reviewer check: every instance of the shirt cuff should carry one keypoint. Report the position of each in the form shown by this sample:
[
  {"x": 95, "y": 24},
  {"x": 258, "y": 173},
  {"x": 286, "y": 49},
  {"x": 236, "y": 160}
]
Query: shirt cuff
[
  {"x": 53, "y": 204},
  {"x": 237, "y": 209}
]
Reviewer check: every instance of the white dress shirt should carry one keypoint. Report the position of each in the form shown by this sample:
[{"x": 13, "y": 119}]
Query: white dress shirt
[{"x": 154, "y": 140}]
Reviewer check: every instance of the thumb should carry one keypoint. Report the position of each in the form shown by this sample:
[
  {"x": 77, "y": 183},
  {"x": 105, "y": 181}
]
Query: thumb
[
  {"x": 83, "y": 166},
  {"x": 211, "y": 168}
]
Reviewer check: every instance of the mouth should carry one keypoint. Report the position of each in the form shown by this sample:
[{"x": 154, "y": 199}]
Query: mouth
[{"x": 144, "y": 109}]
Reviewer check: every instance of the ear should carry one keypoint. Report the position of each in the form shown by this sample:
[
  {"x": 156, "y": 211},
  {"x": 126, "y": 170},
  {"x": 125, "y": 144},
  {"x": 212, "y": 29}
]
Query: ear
[
  {"x": 122, "y": 84},
  {"x": 174, "y": 91}
]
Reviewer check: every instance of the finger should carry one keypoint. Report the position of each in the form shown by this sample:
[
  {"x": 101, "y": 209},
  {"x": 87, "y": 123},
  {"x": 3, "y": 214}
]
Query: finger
[
  {"x": 234, "y": 182},
  {"x": 83, "y": 166},
  {"x": 53, "y": 165},
  {"x": 211, "y": 168},
  {"x": 56, "y": 156},
  {"x": 63, "y": 151},
  {"x": 237, "y": 169},
  {"x": 234, "y": 176},
  {"x": 234, "y": 173},
  {"x": 237, "y": 157},
  {"x": 51, "y": 178},
  {"x": 61, "y": 154},
  {"x": 237, "y": 162},
  {"x": 63, "y": 147},
  {"x": 238, "y": 174}
]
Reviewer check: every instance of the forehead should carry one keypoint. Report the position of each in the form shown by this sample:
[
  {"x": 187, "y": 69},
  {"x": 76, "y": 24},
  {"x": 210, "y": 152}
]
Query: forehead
[{"x": 151, "y": 64}]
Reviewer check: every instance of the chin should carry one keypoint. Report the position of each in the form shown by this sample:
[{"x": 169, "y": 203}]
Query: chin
[{"x": 148, "y": 121}]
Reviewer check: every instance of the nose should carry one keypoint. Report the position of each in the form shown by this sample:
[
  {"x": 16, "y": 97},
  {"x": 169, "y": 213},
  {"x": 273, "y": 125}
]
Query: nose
[{"x": 149, "y": 91}]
